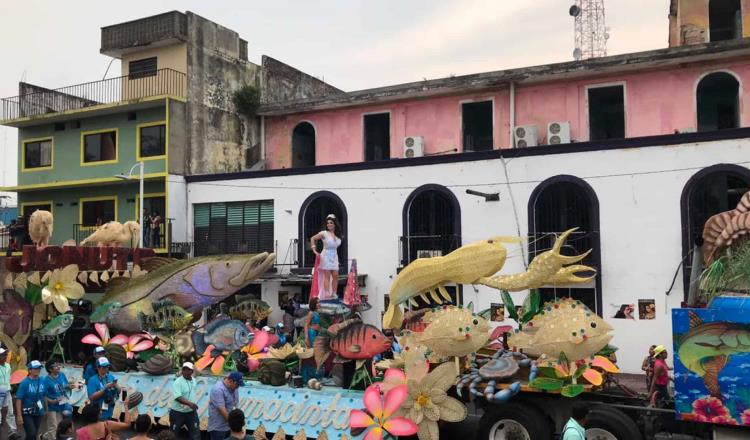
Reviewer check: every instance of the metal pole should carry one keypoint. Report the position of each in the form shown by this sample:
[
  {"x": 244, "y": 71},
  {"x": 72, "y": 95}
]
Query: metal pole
[{"x": 142, "y": 207}]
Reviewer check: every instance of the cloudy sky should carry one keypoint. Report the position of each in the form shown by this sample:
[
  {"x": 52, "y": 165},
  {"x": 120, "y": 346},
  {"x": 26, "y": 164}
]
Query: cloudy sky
[{"x": 352, "y": 44}]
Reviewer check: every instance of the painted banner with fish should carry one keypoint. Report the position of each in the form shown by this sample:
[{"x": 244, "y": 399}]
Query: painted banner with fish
[
  {"x": 292, "y": 409},
  {"x": 711, "y": 362}
]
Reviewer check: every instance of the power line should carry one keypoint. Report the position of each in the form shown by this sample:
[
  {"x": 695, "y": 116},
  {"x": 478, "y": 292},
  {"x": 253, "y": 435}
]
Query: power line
[{"x": 467, "y": 185}]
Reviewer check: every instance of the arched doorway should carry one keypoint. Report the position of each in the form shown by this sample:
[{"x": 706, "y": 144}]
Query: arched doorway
[
  {"x": 431, "y": 228},
  {"x": 556, "y": 205},
  {"x": 313, "y": 212},
  {"x": 710, "y": 191},
  {"x": 718, "y": 103},
  {"x": 303, "y": 145},
  {"x": 724, "y": 20}
]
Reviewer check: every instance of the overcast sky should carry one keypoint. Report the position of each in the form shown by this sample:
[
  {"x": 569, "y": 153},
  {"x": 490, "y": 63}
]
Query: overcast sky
[{"x": 352, "y": 44}]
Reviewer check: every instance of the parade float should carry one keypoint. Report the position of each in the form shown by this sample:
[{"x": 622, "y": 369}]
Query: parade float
[{"x": 444, "y": 364}]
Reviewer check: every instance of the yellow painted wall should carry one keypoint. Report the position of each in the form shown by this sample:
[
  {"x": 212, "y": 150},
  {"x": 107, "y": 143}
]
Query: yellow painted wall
[{"x": 167, "y": 57}]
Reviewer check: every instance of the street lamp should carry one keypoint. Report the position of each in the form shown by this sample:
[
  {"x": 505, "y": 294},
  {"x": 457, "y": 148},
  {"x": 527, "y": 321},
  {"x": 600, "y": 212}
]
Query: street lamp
[{"x": 129, "y": 176}]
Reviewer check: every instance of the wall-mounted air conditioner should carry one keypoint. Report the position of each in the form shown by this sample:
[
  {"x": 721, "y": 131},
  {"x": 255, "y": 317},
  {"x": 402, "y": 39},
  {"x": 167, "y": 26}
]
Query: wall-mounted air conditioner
[
  {"x": 526, "y": 136},
  {"x": 413, "y": 146},
  {"x": 558, "y": 133}
]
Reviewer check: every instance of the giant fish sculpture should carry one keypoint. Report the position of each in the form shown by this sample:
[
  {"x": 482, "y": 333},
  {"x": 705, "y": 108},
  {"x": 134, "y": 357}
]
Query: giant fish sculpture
[
  {"x": 350, "y": 339},
  {"x": 705, "y": 349},
  {"x": 192, "y": 284},
  {"x": 563, "y": 326},
  {"x": 454, "y": 331}
]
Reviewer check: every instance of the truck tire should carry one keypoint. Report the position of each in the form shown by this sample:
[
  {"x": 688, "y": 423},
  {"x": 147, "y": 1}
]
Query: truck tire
[
  {"x": 515, "y": 421},
  {"x": 605, "y": 423}
]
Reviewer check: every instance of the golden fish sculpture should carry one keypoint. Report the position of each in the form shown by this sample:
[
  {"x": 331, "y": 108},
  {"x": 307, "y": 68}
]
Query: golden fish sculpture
[{"x": 476, "y": 263}]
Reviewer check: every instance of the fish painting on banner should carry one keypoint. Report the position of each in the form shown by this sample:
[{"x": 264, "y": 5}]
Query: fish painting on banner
[{"x": 711, "y": 360}]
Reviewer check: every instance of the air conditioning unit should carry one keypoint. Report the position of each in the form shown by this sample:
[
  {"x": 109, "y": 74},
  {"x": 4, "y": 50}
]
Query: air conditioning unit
[
  {"x": 526, "y": 136},
  {"x": 429, "y": 253},
  {"x": 558, "y": 133},
  {"x": 413, "y": 146}
]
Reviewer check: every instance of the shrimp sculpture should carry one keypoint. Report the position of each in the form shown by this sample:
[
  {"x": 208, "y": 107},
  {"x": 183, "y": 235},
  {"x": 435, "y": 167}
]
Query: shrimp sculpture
[{"x": 476, "y": 263}]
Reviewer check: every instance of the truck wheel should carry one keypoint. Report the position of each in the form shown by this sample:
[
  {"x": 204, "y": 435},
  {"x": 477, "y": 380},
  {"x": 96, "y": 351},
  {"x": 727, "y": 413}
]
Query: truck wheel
[
  {"x": 514, "y": 421},
  {"x": 604, "y": 423}
]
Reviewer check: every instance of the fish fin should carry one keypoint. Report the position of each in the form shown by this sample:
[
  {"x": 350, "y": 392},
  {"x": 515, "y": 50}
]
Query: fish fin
[
  {"x": 116, "y": 284},
  {"x": 359, "y": 364},
  {"x": 713, "y": 367},
  {"x": 199, "y": 342},
  {"x": 695, "y": 320},
  {"x": 322, "y": 350},
  {"x": 393, "y": 317},
  {"x": 336, "y": 328},
  {"x": 152, "y": 263},
  {"x": 706, "y": 344},
  {"x": 355, "y": 348}
]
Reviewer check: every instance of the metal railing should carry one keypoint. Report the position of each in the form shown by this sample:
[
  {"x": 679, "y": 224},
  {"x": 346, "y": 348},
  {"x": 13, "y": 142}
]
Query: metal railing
[
  {"x": 4, "y": 239},
  {"x": 425, "y": 246},
  {"x": 43, "y": 101},
  {"x": 80, "y": 232}
]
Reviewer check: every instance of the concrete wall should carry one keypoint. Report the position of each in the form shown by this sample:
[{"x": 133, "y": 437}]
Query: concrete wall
[
  {"x": 656, "y": 102},
  {"x": 219, "y": 139},
  {"x": 178, "y": 138},
  {"x": 689, "y": 21},
  {"x": 638, "y": 190},
  {"x": 282, "y": 82},
  {"x": 36, "y": 100}
]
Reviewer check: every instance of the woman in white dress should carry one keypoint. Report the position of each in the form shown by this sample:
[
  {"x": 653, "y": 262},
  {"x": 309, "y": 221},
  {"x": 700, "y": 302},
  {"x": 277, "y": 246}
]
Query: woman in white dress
[{"x": 329, "y": 257}]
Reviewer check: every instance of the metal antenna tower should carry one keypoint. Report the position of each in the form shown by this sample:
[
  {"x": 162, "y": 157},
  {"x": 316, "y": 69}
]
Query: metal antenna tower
[{"x": 591, "y": 33}]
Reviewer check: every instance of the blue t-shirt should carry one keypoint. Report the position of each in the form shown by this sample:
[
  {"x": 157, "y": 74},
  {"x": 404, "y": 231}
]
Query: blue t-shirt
[
  {"x": 88, "y": 372},
  {"x": 56, "y": 388},
  {"x": 97, "y": 383},
  {"x": 31, "y": 393}
]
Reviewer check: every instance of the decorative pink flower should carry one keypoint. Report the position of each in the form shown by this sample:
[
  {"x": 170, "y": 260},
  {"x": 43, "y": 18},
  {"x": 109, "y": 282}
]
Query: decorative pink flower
[
  {"x": 709, "y": 408},
  {"x": 724, "y": 420},
  {"x": 137, "y": 343},
  {"x": 378, "y": 415},
  {"x": 103, "y": 337},
  {"x": 256, "y": 350}
]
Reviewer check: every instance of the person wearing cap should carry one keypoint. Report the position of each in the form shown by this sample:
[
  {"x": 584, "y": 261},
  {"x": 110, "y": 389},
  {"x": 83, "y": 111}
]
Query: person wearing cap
[
  {"x": 90, "y": 370},
  {"x": 58, "y": 388},
  {"x": 658, "y": 391},
  {"x": 184, "y": 411},
  {"x": 102, "y": 388},
  {"x": 6, "y": 400},
  {"x": 30, "y": 401},
  {"x": 223, "y": 399}
]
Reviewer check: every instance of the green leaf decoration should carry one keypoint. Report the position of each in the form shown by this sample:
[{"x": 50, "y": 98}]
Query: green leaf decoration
[
  {"x": 562, "y": 359},
  {"x": 572, "y": 390},
  {"x": 579, "y": 371},
  {"x": 33, "y": 294},
  {"x": 546, "y": 384},
  {"x": 508, "y": 301},
  {"x": 608, "y": 350},
  {"x": 536, "y": 299},
  {"x": 547, "y": 372}
]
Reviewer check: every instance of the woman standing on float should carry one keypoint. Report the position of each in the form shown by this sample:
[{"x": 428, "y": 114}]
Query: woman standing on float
[{"x": 329, "y": 257}]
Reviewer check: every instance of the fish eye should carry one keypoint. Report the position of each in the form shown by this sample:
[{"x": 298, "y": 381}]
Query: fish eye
[
  {"x": 374, "y": 336},
  {"x": 490, "y": 241},
  {"x": 226, "y": 264},
  {"x": 476, "y": 322},
  {"x": 593, "y": 325}
]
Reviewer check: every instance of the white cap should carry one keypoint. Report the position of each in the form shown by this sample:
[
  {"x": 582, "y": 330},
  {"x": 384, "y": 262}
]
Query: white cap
[
  {"x": 98, "y": 350},
  {"x": 189, "y": 365},
  {"x": 266, "y": 329}
]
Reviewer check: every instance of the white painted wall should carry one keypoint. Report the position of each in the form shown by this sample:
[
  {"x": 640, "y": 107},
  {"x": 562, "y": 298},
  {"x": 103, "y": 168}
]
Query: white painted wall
[
  {"x": 177, "y": 196},
  {"x": 639, "y": 195}
]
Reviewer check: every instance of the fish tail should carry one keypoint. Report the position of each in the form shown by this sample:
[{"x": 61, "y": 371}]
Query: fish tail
[
  {"x": 199, "y": 342},
  {"x": 322, "y": 348}
]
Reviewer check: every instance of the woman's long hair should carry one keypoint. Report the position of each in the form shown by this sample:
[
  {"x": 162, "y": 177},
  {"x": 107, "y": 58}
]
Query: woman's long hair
[{"x": 337, "y": 230}]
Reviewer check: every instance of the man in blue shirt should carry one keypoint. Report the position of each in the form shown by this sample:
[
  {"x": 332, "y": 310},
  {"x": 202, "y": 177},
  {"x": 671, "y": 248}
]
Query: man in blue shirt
[
  {"x": 223, "y": 399},
  {"x": 574, "y": 429},
  {"x": 58, "y": 407},
  {"x": 30, "y": 399},
  {"x": 89, "y": 370},
  {"x": 102, "y": 388}
]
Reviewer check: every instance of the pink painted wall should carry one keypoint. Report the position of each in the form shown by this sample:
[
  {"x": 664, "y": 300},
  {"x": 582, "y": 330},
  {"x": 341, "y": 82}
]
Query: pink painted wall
[{"x": 657, "y": 102}]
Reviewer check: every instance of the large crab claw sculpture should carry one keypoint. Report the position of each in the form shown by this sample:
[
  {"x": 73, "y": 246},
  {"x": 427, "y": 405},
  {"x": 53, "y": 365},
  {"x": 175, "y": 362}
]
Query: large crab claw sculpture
[{"x": 476, "y": 263}]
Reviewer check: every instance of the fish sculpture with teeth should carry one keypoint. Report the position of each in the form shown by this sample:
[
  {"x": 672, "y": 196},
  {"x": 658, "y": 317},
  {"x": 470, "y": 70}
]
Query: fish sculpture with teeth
[{"x": 477, "y": 263}]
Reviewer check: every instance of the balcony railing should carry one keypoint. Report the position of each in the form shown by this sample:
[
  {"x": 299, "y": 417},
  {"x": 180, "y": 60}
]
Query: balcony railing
[
  {"x": 425, "y": 246},
  {"x": 41, "y": 101},
  {"x": 80, "y": 232}
]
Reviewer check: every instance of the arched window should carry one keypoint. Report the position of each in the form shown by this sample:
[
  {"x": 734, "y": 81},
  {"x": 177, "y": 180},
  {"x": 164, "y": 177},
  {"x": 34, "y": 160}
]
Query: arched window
[
  {"x": 556, "y": 205},
  {"x": 718, "y": 105},
  {"x": 313, "y": 213},
  {"x": 432, "y": 227},
  {"x": 710, "y": 191},
  {"x": 303, "y": 145},
  {"x": 725, "y": 19}
]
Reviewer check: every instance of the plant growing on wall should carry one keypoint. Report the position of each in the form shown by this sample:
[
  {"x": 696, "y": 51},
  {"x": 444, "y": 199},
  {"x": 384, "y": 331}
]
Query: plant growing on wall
[{"x": 247, "y": 99}]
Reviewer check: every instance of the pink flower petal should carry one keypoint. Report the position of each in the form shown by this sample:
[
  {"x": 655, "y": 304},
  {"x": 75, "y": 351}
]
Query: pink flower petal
[
  {"x": 360, "y": 419},
  {"x": 400, "y": 426},
  {"x": 119, "y": 340},
  {"x": 143, "y": 345},
  {"x": 374, "y": 401},
  {"x": 252, "y": 364},
  {"x": 260, "y": 340},
  {"x": 133, "y": 339},
  {"x": 103, "y": 331},
  {"x": 394, "y": 374},
  {"x": 130, "y": 355},
  {"x": 375, "y": 433},
  {"x": 218, "y": 365},
  {"x": 92, "y": 339},
  {"x": 203, "y": 362},
  {"x": 394, "y": 399}
]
